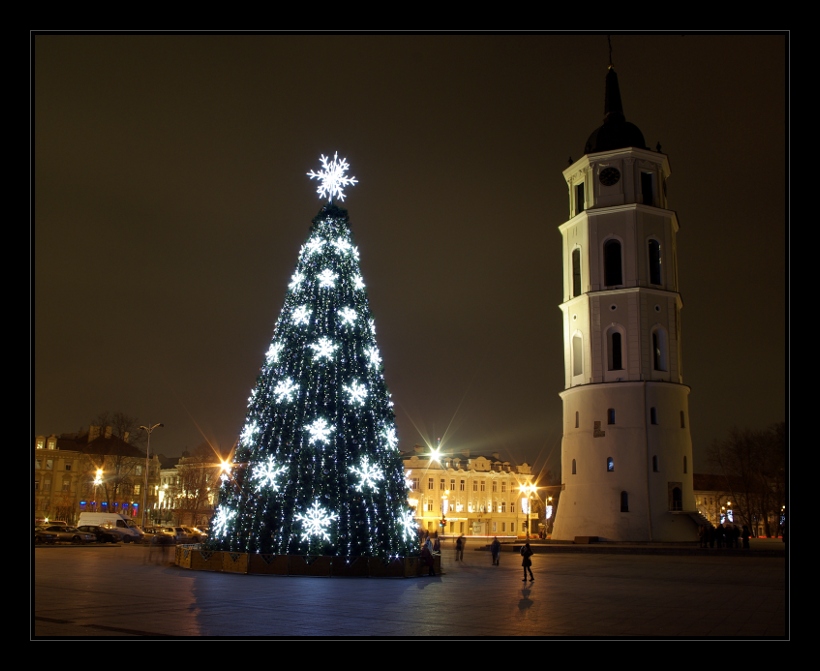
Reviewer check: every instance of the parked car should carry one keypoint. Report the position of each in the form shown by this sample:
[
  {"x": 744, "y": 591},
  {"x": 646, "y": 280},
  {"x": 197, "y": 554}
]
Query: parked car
[
  {"x": 180, "y": 535},
  {"x": 196, "y": 534},
  {"x": 70, "y": 534},
  {"x": 159, "y": 535},
  {"x": 43, "y": 537},
  {"x": 102, "y": 534}
]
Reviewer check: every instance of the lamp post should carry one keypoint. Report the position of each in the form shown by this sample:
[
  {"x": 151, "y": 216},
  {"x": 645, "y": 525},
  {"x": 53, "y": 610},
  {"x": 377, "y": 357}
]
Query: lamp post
[
  {"x": 444, "y": 502},
  {"x": 149, "y": 430},
  {"x": 97, "y": 483},
  {"x": 528, "y": 489}
]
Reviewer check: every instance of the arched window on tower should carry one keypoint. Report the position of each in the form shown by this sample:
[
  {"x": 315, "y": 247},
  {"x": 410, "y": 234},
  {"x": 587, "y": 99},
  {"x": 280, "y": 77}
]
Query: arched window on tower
[
  {"x": 577, "y": 355},
  {"x": 613, "y": 266},
  {"x": 610, "y": 464},
  {"x": 573, "y": 467},
  {"x": 659, "y": 349},
  {"x": 614, "y": 348},
  {"x": 654, "y": 262},
  {"x": 610, "y": 416},
  {"x": 576, "y": 272},
  {"x": 624, "y": 502},
  {"x": 677, "y": 498}
]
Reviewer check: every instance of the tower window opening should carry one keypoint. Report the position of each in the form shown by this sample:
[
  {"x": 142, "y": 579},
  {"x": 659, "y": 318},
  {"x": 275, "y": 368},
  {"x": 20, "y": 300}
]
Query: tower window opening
[
  {"x": 577, "y": 355},
  {"x": 659, "y": 349},
  {"x": 654, "y": 262},
  {"x": 610, "y": 416},
  {"x": 577, "y": 419},
  {"x": 653, "y": 415},
  {"x": 610, "y": 464},
  {"x": 647, "y": 191},
  {"x": 574, "y": 472},
  {"x": 576, "y": 272},
  {"x": 685, "y": 465},
  {"x": 579, "y": 198},
  {"x": 655, "y": 463},
  {"x": 624, "y": 502},
  {"x": 615, "y": 350},
  {"x": 682, "y": 420},
  {"x": 613, "y": 266}
]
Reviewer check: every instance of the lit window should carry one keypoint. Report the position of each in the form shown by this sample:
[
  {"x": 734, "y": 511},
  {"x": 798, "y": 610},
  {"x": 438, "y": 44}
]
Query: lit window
[{"x": 610, "y": 464}]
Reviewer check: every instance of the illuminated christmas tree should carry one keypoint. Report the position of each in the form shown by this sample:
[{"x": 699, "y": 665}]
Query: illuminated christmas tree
[{"x": 317, "y": 468}]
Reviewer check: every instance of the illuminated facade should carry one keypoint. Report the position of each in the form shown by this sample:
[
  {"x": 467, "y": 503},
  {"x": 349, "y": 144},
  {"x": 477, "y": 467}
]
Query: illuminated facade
[
  {"x": 626, "y": 449},
  {"x": 474, "y": 496},
  {"x": 93, "y": 471}
]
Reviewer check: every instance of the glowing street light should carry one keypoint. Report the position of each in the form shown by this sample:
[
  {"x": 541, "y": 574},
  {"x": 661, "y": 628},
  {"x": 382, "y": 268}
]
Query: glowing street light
[
  {"x": 97, "y": 482},
  {"x": 149, "y": 430},
  {"x": 529, "y": 489}
]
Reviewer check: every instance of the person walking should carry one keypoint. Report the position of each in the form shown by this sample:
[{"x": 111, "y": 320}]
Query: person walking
[
  {"x": 460, "y": 548},
  {"x": 427, "y": 559},
  {"x": 526, "y": 562},
  {"x": 745, "y": 535},
  {"x": 495, "y": 549}
]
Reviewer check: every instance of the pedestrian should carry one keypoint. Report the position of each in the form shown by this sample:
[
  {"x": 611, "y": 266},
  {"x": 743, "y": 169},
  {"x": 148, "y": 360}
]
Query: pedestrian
[
  {"x": 436, "y": 543},
  {"x": 702, "y": 535},
  {"x": 495, "y": 549},
  {"x": 735, "y": 536},
  {"x": 745, "y": 535},
  {"x": 526, "y": 562},
  {"x": 427, "y": 558},
  {"x": 460, "y": 541}
]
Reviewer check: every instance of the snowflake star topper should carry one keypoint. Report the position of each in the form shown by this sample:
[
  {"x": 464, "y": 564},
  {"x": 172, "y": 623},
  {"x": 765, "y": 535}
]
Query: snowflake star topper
[{"x": 332, "y": 178}]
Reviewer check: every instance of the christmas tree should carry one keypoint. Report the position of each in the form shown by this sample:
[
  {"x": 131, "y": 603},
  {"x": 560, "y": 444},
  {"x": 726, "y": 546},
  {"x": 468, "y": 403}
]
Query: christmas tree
[{"x": 317, "y": 468}]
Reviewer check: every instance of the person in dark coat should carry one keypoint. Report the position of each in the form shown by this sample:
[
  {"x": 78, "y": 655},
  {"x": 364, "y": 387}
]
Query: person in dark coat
[
  {"x": 495, "y": 549},
  {"x": 427, "y": 559},
  {"x": 526, "y": 561},
  {"x": 745, "y": 535}
]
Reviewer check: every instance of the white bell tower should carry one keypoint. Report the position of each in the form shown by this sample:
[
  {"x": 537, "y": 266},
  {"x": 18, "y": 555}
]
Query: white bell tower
[{"x": 626, "y": 452}]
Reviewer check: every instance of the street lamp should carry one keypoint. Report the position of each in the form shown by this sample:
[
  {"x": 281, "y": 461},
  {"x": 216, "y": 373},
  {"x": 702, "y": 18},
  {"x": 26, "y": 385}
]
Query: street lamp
[
  {"x": 97, "y": 482},
  {"x": 528, "y": 489},
  {"x": 444, "y": 507},
  {"x": 149, "y": 430}
]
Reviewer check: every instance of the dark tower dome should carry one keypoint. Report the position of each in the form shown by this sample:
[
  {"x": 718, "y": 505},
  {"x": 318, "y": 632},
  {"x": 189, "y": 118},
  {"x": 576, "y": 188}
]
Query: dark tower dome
[{"x": 616, "y": 132}]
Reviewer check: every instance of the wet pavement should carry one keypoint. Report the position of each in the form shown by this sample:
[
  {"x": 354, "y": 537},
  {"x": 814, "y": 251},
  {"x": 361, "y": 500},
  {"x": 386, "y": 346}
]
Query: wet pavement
[{"x": 126, "y": 591}]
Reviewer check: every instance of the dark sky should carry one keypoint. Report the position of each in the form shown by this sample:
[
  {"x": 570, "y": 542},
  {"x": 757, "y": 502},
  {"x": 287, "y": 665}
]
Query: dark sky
[{"x": 171, "y": 198}]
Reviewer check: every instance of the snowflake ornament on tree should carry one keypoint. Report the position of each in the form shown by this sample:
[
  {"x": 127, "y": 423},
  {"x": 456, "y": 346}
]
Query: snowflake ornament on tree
[
  {"x": 315, "y": 522},
  {"x": 332, "y": 178}
]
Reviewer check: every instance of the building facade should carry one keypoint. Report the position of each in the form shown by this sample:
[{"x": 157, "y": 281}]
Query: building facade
[
  {"x": 626, "y": 447},
  {"x": 90, "y": 472},
  {"x": 455, "y": 494}
]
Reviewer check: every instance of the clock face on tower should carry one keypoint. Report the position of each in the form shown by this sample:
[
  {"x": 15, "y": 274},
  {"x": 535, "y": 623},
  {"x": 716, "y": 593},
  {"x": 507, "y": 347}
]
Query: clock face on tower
[{"x": 609, "y": 176}]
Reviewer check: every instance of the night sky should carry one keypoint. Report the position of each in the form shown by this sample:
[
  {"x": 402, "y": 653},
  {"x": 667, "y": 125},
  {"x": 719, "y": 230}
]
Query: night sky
[{"x": 170, "y": 200}]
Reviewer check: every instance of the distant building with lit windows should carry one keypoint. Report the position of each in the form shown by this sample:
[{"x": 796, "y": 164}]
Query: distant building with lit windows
[
  {"x": 470, "y": 495},
  {"x": 91, "y": 471}
]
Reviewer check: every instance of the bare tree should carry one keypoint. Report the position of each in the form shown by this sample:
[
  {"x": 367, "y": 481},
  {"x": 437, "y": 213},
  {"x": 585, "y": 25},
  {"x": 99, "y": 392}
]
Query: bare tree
[
  {"x": 754, "y": 464},
  {"x": 198, "y": 479}
]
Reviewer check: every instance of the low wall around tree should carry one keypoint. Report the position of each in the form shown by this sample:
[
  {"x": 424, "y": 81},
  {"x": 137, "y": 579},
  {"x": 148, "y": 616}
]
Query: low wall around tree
[{"x": 197, "y": 559}]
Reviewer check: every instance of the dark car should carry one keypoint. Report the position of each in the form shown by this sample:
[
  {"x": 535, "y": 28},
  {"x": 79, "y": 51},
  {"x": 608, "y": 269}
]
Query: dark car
[
  {"x": 102, "y": 534},
  {"x": 43, "y": 537},
  {"x": 70, "y": 534}
]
